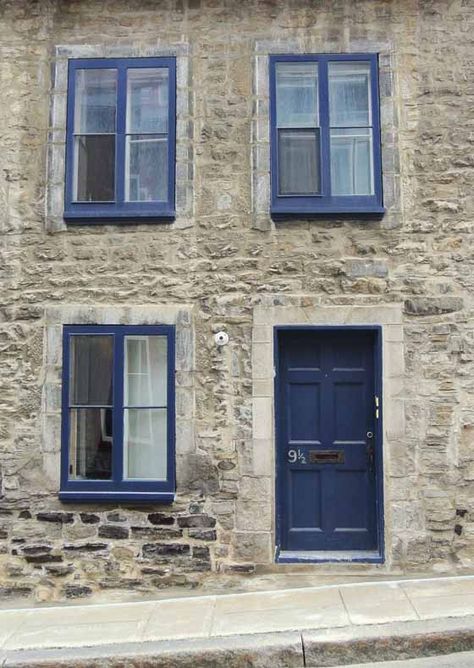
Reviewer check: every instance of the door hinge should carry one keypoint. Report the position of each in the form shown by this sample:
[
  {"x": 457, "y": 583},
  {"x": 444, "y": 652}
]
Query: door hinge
[{"x": 377, "y": 404}]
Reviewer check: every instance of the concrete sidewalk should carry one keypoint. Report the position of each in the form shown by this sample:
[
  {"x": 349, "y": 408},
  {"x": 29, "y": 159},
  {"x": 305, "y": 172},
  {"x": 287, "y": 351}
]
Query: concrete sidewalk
[{"x": 321, "y": 611}]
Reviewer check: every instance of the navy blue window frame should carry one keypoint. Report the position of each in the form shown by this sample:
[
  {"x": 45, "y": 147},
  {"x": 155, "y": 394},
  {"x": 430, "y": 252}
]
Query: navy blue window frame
[
  {"x": 324, "y": 203},
  {"x": 118, "y": 489},
  {"x": 120, "y": 210}
]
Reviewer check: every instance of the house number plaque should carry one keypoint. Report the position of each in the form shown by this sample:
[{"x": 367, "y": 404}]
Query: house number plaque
[{"x": 297, "y": 456}]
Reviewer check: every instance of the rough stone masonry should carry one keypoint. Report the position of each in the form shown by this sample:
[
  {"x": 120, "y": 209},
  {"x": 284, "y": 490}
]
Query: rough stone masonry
[{"x": 224, "y": 264}]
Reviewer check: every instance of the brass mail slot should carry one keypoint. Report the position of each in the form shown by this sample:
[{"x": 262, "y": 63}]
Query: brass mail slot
[{"x": 326, "y": 456}]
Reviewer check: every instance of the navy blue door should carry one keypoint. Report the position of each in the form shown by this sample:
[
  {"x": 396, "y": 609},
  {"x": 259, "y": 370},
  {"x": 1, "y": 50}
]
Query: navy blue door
[{"x": 326, "y": 440}]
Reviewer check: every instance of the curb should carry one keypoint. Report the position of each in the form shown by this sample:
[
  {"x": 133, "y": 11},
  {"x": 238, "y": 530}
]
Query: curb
[
  {"x": 388, "y": 642},
  {"x": 321, "y": 648}
]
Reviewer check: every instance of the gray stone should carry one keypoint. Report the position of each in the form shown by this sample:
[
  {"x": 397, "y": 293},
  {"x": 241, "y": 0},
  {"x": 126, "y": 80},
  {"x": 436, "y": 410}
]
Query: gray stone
[
  {"x": 358, "y": 268},
  {"x": 62, "y": 518},
  {"x": 200, "y": 521},
  {"x": 111, "y": 531},
  {"x": 151, "y": 550},
  {"x": 425, "y": 306}
]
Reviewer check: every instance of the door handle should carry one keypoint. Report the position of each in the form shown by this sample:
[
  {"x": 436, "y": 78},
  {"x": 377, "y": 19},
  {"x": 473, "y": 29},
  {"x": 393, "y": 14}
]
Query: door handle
[{"x": 370, "y": 450}]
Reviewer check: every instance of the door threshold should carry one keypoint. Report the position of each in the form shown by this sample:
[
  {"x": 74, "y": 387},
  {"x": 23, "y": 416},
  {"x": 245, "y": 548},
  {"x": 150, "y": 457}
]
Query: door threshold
[{"x": 336, "y": 556}]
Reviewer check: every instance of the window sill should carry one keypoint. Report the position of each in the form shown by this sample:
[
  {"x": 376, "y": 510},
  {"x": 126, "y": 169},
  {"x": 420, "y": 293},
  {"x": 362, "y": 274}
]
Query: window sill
[
  {"x": 320, "y": 557},
  {"x": 111, "y": 217},
  {"x": 289, "y": 211},
  {"x": 114, "y": 497}
]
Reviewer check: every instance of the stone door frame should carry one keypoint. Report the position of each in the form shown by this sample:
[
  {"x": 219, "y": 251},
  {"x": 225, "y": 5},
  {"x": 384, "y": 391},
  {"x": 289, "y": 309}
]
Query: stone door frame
[{"x": 265, "y": 319}]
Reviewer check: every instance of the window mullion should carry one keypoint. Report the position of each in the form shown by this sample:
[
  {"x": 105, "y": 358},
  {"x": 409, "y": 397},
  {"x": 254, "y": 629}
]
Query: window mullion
[
  {"x": 325, "y": 126},
  {"x": 121, "y": 133},
  {"x": 117, "y": 450}
]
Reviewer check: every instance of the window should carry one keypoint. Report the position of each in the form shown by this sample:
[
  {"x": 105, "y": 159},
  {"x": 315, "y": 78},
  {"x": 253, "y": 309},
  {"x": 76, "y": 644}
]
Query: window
[
  {"x": 118, "y": 413},
  {"x": 120, "y": 146},
  {"x": 325, "y": 134}
]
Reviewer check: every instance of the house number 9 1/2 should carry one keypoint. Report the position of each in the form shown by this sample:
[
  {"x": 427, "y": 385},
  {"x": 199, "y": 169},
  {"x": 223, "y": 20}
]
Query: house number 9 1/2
[{"x": 295, "y": 456}]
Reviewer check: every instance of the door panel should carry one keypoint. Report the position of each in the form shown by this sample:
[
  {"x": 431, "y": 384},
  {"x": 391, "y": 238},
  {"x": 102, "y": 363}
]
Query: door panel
[
  {"x": 308, "y": 515},
  {"x": 326, "y": 412},
  {"x": 304, "y": 415}
]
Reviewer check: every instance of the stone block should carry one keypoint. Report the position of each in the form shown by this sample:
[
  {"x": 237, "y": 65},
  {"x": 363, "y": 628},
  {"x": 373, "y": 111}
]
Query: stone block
[
  {"x": 203, "y": 534},
  {"x": 262, "y": 417},
  {"x": 196, "y": 472},
  {"x": 428, "y": 306},
  {"x": 262, "y": 361},
  {"x": 394, "y": 412},
  {"x": 254, "y": 547},
  {"x": 254, "y": 507},
  {"x": 394, "y": 360},
  {"x": 113, "y": 532},
  {"x": 199, "y": 521},
  {"x": 184, "y": 350},
  {"x": 263, "y": 457},
  {"x": 85, "y": 547},
  {"x": 263, "y": 388},
  {"x": 153, "y": 550},
  {"x": 160, "y": 519},
  {"x": 262, "y": 334},
  {"x": 57, "y": 517},
  {"x": 184, "y": 436},
  {"x": 77, "y": 591},
  {"x": 89, "y": 518}
]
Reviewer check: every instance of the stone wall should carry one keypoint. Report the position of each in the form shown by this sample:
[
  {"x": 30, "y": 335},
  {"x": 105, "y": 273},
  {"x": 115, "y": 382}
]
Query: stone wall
[{"x": 226, "y": 259}]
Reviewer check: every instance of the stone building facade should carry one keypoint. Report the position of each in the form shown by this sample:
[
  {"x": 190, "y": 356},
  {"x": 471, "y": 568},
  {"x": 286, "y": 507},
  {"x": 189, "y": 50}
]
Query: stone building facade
[{"x": 223, "y": 264}]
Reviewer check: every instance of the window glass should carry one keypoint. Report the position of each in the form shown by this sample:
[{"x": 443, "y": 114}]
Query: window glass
[
  {"x": 145, "y": 443},
  {"x": 94, "y": 135},
  {"x": 90, "y": 443},
  {"x": 90, "y": 431},
  {"x": 349, "y": 94},
  {"x": 298, "y": 159},
  {"x": 95, "y": 101},
  {"x": 91, "y": 370},
  {"x": 145, "y": 429},
  {"x": 94, "y": 173},
  {"x": 297, "y": 95},
  {"x": 146, "y": 168},
  {"x": 145, "y": 369},
  {"x": 351, "y": 161},
  {"x": 147, "y": 100}
]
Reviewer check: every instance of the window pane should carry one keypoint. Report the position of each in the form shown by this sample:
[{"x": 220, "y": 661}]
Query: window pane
[
  {"x": 90, "y": 443},
  {"x": 95, "y": 101},
  {"x": 91, "y": 370},
  {"x": 297, "y": 95},
  {"x": 146, "y": 371},
  {"x": 298, "y": 160},
  {"x": 94, "y": 178},
  {"x": 351, "y": 161},
  {"x": 147, "y": 100},
  {"x": 145, "y": 443},
  {"x": 349, "y": 94},
  {"x": 147, "y": 168}
]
